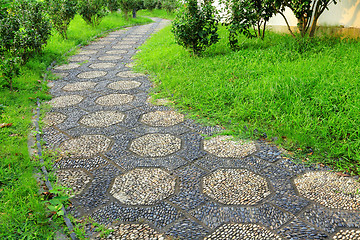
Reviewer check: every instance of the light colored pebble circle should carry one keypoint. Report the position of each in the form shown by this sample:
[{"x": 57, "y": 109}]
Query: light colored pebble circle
[
  {"x": 124, "y": 85},
  {"x": 61, "y": 75},
  {"x": 162, "y": 118},
  {"x": 87, "y": 52},
  {"x": 122, "y": 46},
  {"x": 130, "y": 65},
  {"x": 95, "y": 46},
  {"x": 65, "y": 101},
  {"x": 101, "y": 43},
  {"x": 223, "y": 146},
  {"x": 347, "y": 234},
  {"x": 78, "y": 58},
  {"x": 67, "y": 66},
  {"x": 108, "y": 38},
  {"x": 235, "y": 187},
  {"x": 54, "y": 118},
  {"x": 85, "y": 146},
  {"x": 102, "y": 119},
  {"x": 239, "y": 231},
  {"x": 329, "y": 189},
  {"x": 110, "y": 57},
  {"x": 74, "y": 179},
  {"x": 116, "y": 52},
  {"x": 134, "y": 231},
  {"x": 102, "y": 65},
  {"x": 129, "y": 74},
  {"x": 128, "y": 42},
  {"x": 143, "y": 186},
  {"x": 155, "y": 145},
  {"x": 79, "y": 86},
  {"x": 91, "y": 74},
  {"x": 114, "y": 99}
]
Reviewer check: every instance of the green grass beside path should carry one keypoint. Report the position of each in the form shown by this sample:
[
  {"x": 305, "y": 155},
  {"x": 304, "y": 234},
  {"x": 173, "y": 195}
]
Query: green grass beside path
[
  {"x": 304, "y": 95},
  {"x": 22, "y": 211}
]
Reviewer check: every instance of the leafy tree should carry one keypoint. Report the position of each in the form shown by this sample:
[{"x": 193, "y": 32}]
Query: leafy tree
[
  {"x": 113, "y": 5},
  {"x": 92, "y": 11},
  {"x": 307, "y": 13},
  {"x": 61, "y": 13},
  {"x": 24, "y": 30},
  {"x": 248, "y": 17},
  {"x": 195, "y": 26},
  {"x": 169, "y": 5},
  {"x": 128, "y": 6}
]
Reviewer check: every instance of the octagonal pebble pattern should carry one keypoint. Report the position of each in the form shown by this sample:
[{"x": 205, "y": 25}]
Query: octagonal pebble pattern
[
  {"x": 116, "y": 52},
  {"x": 114, "y": 99},
  {"x": 54, "y": 118},
  {"x": 156, "y": 145},
  {"x": 225, "y": 147},
  {"x": 129, "y": 74},
  {"x": 347, "y": 234},
  {"x": 143, "y": 186},
  {"x": 88, "y": 52},
  {"x": 110, "y": 58},
  {"x": 91, "y": 74},
  {"x": 102, "y": 65},
  {"x": 329, "y": 189},
  {"x": 133, "y": 232},
  {"x": 74, "y": 179},
  {"x": 65, "y": 101},
  {"x": 235, "y": 187},
  {"x": 85, "y": 146},
  {"x": 80, "y": 58},
  {"x": 162, "y": 118},
  {"x": 79, "y": 86},
  {"x": 67, "y": 66},
  {"x": 102, "y": 119},
  {"x": 124, "y": 85},
  {"x": 242, "y": 231},
  {"x": 122, "y": 46}
]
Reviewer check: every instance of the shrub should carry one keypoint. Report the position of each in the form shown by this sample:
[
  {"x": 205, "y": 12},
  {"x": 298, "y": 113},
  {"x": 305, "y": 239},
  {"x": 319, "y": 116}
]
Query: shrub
[
  {"x": 61, "y": 13},
  {"x": 169, "y": 5},
  {"x": 195, "y": 26},
  {"x": 151, "y": 4},
  {"x": 92, "y": 11},
  {"x": 248, "y": 17},
  {"x": 127, "y": 6},
  {"x": 24, "y": 29},
  {"x": 113, "y": 5}
]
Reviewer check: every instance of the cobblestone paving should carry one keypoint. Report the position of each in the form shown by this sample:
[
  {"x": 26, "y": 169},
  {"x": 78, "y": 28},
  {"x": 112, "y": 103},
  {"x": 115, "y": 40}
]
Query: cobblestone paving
[{"x": 148, "y": 172}]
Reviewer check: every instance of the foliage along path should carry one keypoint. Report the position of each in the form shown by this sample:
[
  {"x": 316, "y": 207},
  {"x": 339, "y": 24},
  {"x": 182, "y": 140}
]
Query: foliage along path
[{"x": 149, "y": 173}]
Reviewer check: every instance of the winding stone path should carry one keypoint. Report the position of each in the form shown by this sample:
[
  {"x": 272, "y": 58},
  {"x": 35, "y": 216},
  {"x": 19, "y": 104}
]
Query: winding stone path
[{"x": 148, "y": 172}]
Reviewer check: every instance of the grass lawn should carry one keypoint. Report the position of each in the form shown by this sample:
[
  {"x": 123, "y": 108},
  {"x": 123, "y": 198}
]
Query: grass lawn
[
  {"x": 303, "y": 95},
  {"x": 22, "y": 211}
]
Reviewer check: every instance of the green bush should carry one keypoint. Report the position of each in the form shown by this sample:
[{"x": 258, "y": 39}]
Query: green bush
[
  {"x": 113, "y": 5},
  {"x": 61, "y": 13},
  {"x": 24, "y": 30},
  {"x": 169, "y": 5},
  {"x": 92, "y": 11},
  {"x": 151, "y": 4},
  {"x": 195, "y": 26},
  {"x": 128, "y": 6}
]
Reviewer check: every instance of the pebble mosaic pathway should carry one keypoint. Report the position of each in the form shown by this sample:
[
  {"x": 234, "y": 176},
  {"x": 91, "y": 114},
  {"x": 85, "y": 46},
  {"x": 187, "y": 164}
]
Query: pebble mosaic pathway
[{"x": 148, "y": 172}]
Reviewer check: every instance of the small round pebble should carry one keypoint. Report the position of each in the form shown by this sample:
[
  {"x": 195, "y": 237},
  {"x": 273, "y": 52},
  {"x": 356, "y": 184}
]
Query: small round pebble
[
  {"x": 85, "y": 146},
  {"x": 65, "y": 101},
  {"x": 114, "y": 99},
  {"x": 155, "y": 145},
  {"x": 129, "y": 74},
  {"x": 235, "y": 186},
  {"x": 54, "y": 118},
  {"x": 329, "y": 189},
  {"x": 92, "y": 74},
  {"x": 102, "y": 119},
  {"x": 124, "y": 85},
  {"x": 79, "y": 86},
  {"x": 143, "y": 186},
  {"x": 74, "y": 179},
  {"x": 347, "y": 234},
  {"x": 162, "y": 118},
  {"x": 223, "y": 146},
  {"x": 239, "y": 231},
  {"x": 134, "y": 231}
]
